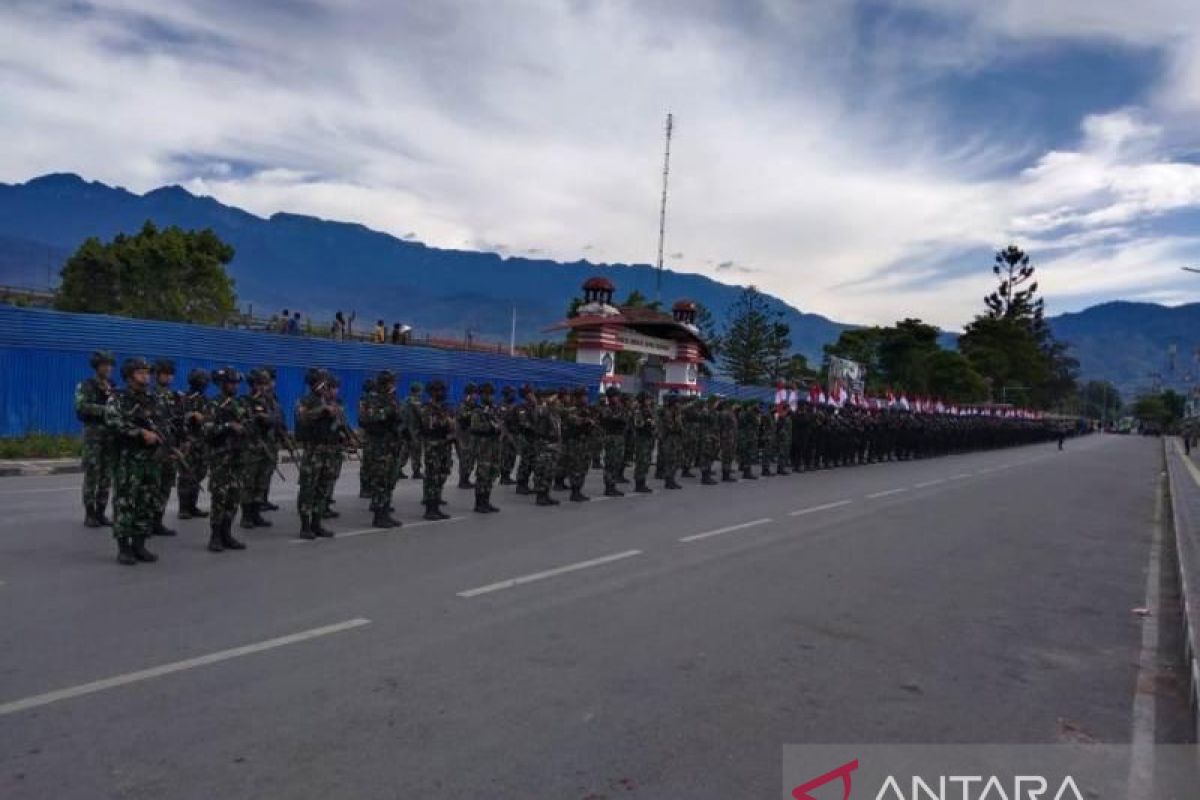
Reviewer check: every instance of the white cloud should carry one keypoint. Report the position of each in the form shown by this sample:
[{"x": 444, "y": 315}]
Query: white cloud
[{"x": 539, "y": 126}]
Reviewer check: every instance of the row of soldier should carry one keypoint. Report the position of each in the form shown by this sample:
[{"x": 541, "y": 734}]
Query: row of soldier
[{"x": 147, "y": 437}]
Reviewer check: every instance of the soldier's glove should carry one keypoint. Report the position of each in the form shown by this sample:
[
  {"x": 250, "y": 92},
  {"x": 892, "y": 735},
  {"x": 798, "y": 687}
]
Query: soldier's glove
[{"x": 150, "y": 437}]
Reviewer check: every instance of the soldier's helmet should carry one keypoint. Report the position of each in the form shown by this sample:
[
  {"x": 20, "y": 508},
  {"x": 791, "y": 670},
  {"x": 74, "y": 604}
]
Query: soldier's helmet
[
  {"x": 469, "y": 389},
  {"x": 226, "y": 375},
  {"x": 164, "y": 366},
  {"x": 132, "y": 365},
  {"x": 487, "y": 389},
  {"x": 385, "y": 378},
  {"x": 643, "y": 396},
  {"x": 271, "y": 373},
  {"x": 313, "y": 376},
  {"x": 332, "y": 381},
  {"x": 436, "y": 387},
  {"x": 416, "y": 388},
  {"x": 612, "y": 391},
  {"x": 507, "y": 391},
  {"x": 102, "y": 357},
  {"x": 198, "y": 377}
]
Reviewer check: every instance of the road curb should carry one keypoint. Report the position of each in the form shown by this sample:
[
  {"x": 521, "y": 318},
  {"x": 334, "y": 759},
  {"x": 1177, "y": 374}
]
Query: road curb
[
  {"x": 1185, "y": 517},
  {"x": 22, "y": 469}
]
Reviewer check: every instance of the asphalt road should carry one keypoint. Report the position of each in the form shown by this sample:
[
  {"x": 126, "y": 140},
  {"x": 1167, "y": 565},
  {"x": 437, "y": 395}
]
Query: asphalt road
[{"x": 645, "y": 647}]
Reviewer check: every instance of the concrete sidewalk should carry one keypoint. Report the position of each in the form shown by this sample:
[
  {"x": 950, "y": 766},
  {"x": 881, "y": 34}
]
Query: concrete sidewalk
[
  {"x": 13, "y": 468},
  {"x": 1184, "y": 476}
]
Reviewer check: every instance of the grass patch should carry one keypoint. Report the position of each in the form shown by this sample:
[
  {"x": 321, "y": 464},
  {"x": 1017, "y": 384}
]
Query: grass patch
[{"x": 41, "y": 445}]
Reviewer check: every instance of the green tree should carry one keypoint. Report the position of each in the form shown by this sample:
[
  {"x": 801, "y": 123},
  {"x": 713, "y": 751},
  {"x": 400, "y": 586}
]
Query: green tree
[
  {"x": 950, "y": 377},
  {"x": 168, "y": 274},
  {"x": 796, "y": 368},
  {"x": 1100, "y": 400},
  {"x": 1163, "y": 410},
  {"x": 753, "y": 338}
]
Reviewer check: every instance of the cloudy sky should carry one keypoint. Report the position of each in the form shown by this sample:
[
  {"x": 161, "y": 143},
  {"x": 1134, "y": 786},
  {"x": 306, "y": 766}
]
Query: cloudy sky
[{"x": 860, "y": 159}]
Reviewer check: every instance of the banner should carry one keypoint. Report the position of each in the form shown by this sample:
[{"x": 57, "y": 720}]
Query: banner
[{"x": 846, "y": 377}]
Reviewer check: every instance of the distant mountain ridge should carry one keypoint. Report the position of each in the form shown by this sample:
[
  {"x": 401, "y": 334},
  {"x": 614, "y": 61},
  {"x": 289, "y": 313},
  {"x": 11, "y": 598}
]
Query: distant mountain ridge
[{"x": 319, "y": 267}]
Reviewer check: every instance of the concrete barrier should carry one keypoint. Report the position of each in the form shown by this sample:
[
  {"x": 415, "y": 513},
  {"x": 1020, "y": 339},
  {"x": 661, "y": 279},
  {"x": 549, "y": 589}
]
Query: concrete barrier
[{"x": 1184, "y": 482}]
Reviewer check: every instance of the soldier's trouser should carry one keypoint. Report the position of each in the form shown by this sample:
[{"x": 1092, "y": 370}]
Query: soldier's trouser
[
  {"x": 99, "y": 461},
  {"x": 227, "y": 475},
  {"x": 267, "y": 473},
  {"x": 508, "y": 456},
  {"x": 252, "y": 477},
  {"x": 525, "y": 451},
  {"x": 135, "y": 494},
  {"x": 544, "y": 467},
  {"x": 577, "y": 460},
  {"x": 190, "y": 477},
  {"x": 614, "y": 458},
  {"x": 437, "y": 469},
  {"x": 416, "y": 452},
  {"x": 466, "y": 458},
  {"x": 167, "y": 472},
  {"x": 319, "y": 467},
  {"x": 668, "y": 457},
  {"x": 487, "y": 468},
  {"x": 401, "y": 457},
  {"x": 643, "y": 448},
  {"x": 727, "y": 449}
]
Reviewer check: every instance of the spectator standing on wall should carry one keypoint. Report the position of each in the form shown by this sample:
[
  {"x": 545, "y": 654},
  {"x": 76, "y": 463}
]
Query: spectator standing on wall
[
  {"x": 285, "y": 321},
  {"x": 293, "y": 325},
  {"x": 339, "y": 327},
  {"x": 380, "y": 332},
  {"x": 397, "y": 335}
]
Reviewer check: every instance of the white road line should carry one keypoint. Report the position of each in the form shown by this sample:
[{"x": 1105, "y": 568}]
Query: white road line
[
  {"x": 408, "y": 526},
  {"x": 1141, "y": 761},
  {"x": 887, "y": 493},
  {"x": 927, "y": 484},
  {"x": 959, "y": 476},
  {"x": 695, "y": 537},
  {"x": 814, "y": 509},
  {"x": 40, "y": 491},
  {"x": 550, "y": 573},
  {"x": 176, "y": 666},
  {"x": 985, "y": 471}
]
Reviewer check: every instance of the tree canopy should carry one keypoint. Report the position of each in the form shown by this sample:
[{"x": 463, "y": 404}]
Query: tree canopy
[
  {"x": 169, "y": 274},
  {"x": 756, "y": 342}
]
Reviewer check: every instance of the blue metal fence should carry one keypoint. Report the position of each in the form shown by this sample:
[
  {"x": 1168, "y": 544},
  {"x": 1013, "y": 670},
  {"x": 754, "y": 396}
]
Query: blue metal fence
[{"x": 44, "y": 354}]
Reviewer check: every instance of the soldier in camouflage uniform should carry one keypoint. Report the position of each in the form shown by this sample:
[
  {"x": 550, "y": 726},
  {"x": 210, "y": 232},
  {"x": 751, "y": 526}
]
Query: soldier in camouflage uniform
[
  {"x": 99, "y": 452},
  {"x": 783, "y": 439},
  {"x": 727, "y": 434},
  {"x": 129, "y": 415},
  {"x": 169, "y": 423},
  {"x": 318, "y": 435},
  {"x": 379, "y": 415},
  {"x": 690, "y": 454},
  {"x": 525, "y": 438},
  {"x": 766, "y": 440},
  {"x": 465, "y": 443},
  {"x": 225, "y": 431},
  {"x": 412, "y": 429},
  {"x": 578, "y": 430},
  {"x": 364, "y": 472},
  {"x": 547, "y": 433},
  {"x": 485, "y": 433},
  {"x": 671, "y": 440},
  {"x": 747, "y": 439},
  {"x": 508, "y": 440},
  {"x": 193, "y": 472},
  {"x": 710, "y": 439},
  {"x": 614, "y": 422},
  {"x": 644, "y": 422},
  {"x": 277, "y": 435},
  {"x": 438, "y": 434},
  {"x": 258, "y": 449}
]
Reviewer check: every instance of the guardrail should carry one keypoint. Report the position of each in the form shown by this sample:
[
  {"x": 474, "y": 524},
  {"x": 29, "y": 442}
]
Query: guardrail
[{"x": 1184, "y": 482}]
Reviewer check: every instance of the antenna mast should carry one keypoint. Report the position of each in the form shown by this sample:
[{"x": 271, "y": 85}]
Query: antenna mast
[{"x": 662, "y": 211}]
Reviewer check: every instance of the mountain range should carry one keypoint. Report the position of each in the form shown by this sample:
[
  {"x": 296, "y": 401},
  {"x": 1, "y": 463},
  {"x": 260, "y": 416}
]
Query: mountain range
[{"x": 318, "y": 267}]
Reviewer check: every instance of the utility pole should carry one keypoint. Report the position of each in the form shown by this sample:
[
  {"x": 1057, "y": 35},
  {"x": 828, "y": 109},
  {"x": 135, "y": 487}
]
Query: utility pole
[
  {"x": 512, "y": 336},
  {"x": 662, "y": 211}
]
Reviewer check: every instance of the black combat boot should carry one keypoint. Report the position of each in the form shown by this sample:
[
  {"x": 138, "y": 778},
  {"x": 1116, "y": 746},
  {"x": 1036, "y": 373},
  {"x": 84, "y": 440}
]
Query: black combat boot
[
  {"x": 727, "y": 476},
  {"x": 158, "y": 529},
  {"x": 560, "y": 485},
  {"x": 686, "y": 473},
  {"x": 672, "y": 483},
  {"x": 783, "y": 471},
  {"x": 417, "y": 475},
  {"x": 247, "y": 516},
  {"x": 481, "y": 505},
  {"x": 487, "y": 501},
  {"x": 523, "y": 488},
  {"x": 140, "y": 552},
  {"x": 227, "y": 539},
  {"x": 329, "y": 513},
  {"x": 89, "y": 517},
  {"x": 259, "y": 520},
  {"x": 544, "y": 499},
  {"x": 577, "y": 496},
  {"x": 99, "y": 514},
  {"x": 766, "y": 472},
  {"x": 185, "y": 508},
  {"x": 432, "y": 513},
  {"x": 748, "y": 474},
  {"x": 640, "y": 487},
  {"x": 383, "y": 519},
  {"x": 267, "y": 505},
  {"x": 215, "y": 544},
  {"x": 363, "y": 494},
  {"x": 465, "y": 483},
  {"x": 125, "y": 552},
  {"x": 506, "y": 479},
  {"x": 611, "y": 490},
  {"x": 621, "y": 477},
  {"x": 706, "y": 478},
  {"x": 306, "y": 531}
]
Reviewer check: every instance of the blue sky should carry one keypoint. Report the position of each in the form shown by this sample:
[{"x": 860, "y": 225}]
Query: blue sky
[{"x": 859, "y": 159}]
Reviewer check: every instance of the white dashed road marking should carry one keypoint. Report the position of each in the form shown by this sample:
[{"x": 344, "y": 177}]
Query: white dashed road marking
[
  {"x": 695, "y": 537},
  {"x": 814, "y": 509},
  {"x": 886, "y": 493},
  {"x": 176, "y": 666},
  {"x": 550, "y": 573}
]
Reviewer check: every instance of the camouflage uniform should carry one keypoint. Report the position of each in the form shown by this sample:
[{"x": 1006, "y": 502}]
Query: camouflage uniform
[
  {"x": 465, "y": 441},
  {"x": 578, "y": 430},
  {"x": 99, "y": 451},
  {"x": 191, "y": 474},
  {"x": 225, "y": 431},
  {"x": 547, "y": 433},
  {"x": 727, "y": 434},
  {"x": 169, "y": 422},
  {"x": 710, "y": 440},
  {"x": 508, "y": 436},
  {"x": 644, "y": 422},
  {"x": 415, "y": 446},
  {"x": 747, "y": 439},
  {"x": 485, "y": 433},
  {"x": 437, "y": 433},
  {"x": 670, "y": 440},
  {"x": 525, "y": 439},
  {"x": 766, "y": 441},
  {"x": 318, "y": 431},
  {"x": 783, "y": 440},
  {"x": 129, "y": 415},
  {"x": 380, "y": 418},
  {"x": 690, "y": 454},
  {"x": 260, "y": 451},
  {"x": 615, "y": 423}
]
